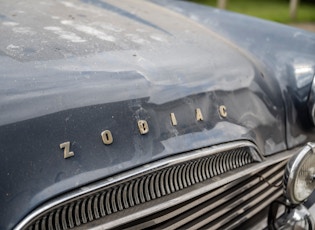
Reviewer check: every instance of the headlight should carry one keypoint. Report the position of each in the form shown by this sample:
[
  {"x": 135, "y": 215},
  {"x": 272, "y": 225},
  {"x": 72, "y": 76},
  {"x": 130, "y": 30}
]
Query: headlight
[{"x": 299, "y": 178}]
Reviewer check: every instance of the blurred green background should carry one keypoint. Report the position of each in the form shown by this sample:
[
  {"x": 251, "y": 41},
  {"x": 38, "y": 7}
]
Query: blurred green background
[{"x": 275, "y": 10}]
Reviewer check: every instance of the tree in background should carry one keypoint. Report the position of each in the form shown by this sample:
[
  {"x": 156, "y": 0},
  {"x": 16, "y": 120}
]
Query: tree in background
[
  {"x": 222, "y": 4},
  {"x": 293, "y": 9}
]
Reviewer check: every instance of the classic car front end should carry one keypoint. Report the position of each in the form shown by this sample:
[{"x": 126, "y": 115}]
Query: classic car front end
[{"x": 153, "y": 114}]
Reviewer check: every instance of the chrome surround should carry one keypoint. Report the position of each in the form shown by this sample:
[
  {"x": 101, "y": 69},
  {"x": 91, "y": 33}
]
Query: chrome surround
[
  {"x": 311, "y": 102},
  {"x": 264, "y": 162},
  {"x": 291, "y": 171},
  {"x": 297, "y": 218}
]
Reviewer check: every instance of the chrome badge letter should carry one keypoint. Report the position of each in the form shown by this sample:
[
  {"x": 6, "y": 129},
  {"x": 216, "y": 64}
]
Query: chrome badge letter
[{"x": 66, "y": 151}]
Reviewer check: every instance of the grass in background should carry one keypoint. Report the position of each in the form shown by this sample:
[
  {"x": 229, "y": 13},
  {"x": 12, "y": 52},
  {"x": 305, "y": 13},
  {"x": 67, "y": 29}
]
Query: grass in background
[{"x": 275, "y": 10}]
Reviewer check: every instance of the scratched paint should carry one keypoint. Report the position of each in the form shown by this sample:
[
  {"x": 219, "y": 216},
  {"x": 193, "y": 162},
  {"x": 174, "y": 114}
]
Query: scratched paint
[
  {"x": 10, "y": 23},
  {"x": 70, "y": 36},
  {"x": 23, "y": 30},
  {"x": 89, "y": 30}
]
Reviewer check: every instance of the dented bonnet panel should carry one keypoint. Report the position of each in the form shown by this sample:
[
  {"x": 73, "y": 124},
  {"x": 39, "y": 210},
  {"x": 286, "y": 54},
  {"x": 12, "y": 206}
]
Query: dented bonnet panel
[
  {"x": 89, "y": 89},
  {"x": 287, "y": 54}
]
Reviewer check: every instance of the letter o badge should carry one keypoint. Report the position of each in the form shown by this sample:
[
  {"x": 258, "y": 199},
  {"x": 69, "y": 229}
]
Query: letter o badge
[{"x": 107, "y": 137}]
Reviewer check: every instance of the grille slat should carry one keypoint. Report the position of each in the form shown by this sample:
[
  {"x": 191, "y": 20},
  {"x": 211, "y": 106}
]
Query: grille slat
[
  {"x": 250, "y": 213},
  {"x": 131, "y": 194},
  {"x": 119, "y": 198},
  {"x": 147, "y": 187},
  {"x": 50, "y": 221},
  {"x": 56, "y": 221},
  {"x": 184, "y": 175},
  {"x": 70, "y": 216},
  {"x": 221, "y": 164},
  {"x": 162, "y": 183},
  {"x": 176, "y": 179},
  {"x": 36, "y": 226},
  {"x": 113, "y": 200},
  {"x": 166, "y": 181},
  {"x": 141, "y": 191},
  {"x": 203, "y": 170},
  {"x": 96, "y": 207},
  {"x": 64, "y": 217},
  {"x": 157, "y": 185},
  {"x": 83, "y": 212},
  {"x": 172, "y": 179},
  {"x": 77, "y": 213},
  {"x": 215, "y": 168},
  {"x": 91, "y": 209},
  {"x": 152, "y": 183},
  {"x": 43, "y": 224},
  {"x": 125, "y": 197},
  {"x": 135, "y": 192},
  {"x": 211, "y": 169}
]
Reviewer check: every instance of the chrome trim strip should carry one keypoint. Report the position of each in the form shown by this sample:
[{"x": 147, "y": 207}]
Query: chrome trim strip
[{"x": 167, "y": 162}]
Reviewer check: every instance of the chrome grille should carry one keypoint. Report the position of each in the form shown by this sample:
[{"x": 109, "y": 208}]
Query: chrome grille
[
  {"x": 146, "y": 187},
  {"x": 222, "y": 208}
]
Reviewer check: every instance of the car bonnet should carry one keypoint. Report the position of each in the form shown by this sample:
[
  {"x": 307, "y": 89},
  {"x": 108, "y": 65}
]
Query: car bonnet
[{"x": 71, "y": 70}]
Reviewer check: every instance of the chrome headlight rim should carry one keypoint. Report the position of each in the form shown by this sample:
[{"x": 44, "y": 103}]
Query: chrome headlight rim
[
  {"x": 311, "y": 102},
  {"x": 291, "y": 174}
]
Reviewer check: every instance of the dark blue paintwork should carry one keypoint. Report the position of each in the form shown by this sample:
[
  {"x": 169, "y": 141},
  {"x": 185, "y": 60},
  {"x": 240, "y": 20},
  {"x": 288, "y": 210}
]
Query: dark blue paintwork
[
  {"x": 70, "y": 70},
  {"x": 287, "y": 54}
]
